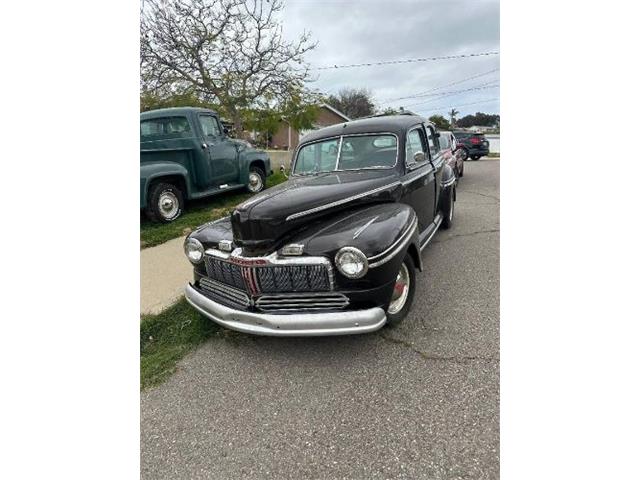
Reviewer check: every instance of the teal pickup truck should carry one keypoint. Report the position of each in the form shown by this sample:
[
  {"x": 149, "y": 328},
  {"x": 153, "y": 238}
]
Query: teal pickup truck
[{"x": 185, "y": 154}]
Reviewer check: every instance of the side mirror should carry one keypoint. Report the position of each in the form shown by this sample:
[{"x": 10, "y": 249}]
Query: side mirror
[
  {"x": 226, "y": 131},
  {"x": 418, "y": 157},
  {"x": 437, "y": 134}
]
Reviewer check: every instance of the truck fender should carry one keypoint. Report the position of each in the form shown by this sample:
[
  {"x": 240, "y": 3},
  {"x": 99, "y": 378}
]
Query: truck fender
[
  {"x": 149, "y": 173},
  {"x": 250, "y": 157}
]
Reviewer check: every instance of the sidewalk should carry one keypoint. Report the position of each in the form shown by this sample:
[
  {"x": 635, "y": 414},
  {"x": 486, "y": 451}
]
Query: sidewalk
[{"x": 164, "y": 272}]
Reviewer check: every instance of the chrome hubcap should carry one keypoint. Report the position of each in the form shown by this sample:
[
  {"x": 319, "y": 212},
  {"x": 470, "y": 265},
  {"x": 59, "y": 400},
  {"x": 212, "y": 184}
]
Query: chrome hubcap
[
  {"x": 255, "y": 182},
  {"x": 400, "y": 290},
  {"x": 168, "y": 204}
]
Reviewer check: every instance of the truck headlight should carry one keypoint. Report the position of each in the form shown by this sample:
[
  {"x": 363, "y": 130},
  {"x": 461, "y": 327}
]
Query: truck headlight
[
  {"x": 194, "y": 250},
  {"x": 351, "y": 262}
]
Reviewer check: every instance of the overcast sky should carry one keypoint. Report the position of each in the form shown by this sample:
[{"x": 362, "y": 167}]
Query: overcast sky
[{"x": 358, "y": 31}]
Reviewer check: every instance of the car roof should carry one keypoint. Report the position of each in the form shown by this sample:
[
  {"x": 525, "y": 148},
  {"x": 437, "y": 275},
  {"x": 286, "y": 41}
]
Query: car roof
[
  {"x": 173, "y": 111},
  {"x": 387, "y": 123}
]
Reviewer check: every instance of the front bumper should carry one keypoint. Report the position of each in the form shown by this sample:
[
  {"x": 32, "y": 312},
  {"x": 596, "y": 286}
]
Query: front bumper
[{"x": 282, "y": 325}]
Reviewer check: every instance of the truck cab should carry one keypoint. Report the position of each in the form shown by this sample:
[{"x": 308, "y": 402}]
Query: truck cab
[{"x": 186, "y": 154}]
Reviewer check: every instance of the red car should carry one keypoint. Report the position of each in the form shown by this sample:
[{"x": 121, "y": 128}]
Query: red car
[{"x": 454, "y": 155}]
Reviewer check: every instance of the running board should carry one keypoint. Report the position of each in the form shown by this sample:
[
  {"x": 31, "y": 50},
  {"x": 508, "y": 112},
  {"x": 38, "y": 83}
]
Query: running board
[
  {"x": 434, "y": 228},
  {"x": 214, "y": 191}
]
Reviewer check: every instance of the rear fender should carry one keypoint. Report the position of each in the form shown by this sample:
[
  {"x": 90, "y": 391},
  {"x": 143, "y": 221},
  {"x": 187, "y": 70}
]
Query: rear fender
[{"x": 152, "y": 172}]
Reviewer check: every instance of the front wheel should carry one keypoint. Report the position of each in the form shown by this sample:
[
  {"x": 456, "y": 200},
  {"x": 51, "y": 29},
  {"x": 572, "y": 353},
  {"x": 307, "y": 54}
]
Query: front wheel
[
  {"x": 403, "y": 292},
  {"x": 475, "y": 157},
  {"x": 256, "y": 180},
  {"x": 448, "y": 206}
]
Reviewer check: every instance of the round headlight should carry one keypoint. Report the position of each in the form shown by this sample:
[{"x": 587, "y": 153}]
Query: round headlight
[
  {"x": 194, "y": 250},
  {"x": 351, "y": 262}
]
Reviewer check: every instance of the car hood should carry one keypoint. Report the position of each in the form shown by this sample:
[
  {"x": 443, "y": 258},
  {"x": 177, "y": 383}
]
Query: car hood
[{"x": 266, "y": 221}]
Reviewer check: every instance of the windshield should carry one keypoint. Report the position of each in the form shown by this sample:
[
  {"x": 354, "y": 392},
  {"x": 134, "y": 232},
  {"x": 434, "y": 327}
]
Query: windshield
[{"x": 347, "y": 153}]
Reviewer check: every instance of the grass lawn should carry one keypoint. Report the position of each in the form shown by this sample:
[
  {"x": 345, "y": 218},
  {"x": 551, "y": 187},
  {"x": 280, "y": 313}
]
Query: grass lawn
[
  {"x": 196, "y": 213},
  {"x": 167, "y": 337}
]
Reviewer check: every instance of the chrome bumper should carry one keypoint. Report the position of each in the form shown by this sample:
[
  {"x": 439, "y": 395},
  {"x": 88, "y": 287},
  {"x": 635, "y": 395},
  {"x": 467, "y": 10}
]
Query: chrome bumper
[{"x": 295, "y": 325}]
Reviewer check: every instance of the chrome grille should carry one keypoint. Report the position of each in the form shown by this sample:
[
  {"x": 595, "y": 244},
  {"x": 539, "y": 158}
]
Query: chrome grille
[
  {"x": 293, "y": 278},
  {"x": 269, "y": 278},
  {"x": 225, "y": 272},
  {"x": 301, "y": 302},
  {"x": 224, "y": 293}
]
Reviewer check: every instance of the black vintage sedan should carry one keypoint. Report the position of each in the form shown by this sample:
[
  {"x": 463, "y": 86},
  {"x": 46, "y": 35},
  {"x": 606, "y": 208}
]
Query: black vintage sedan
[{"x": 334, "y": 249}]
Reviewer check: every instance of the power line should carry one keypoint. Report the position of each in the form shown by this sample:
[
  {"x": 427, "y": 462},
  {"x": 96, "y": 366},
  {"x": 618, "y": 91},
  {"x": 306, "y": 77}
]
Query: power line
[
  {"x": 420, "y": 94},
  {"x": 410, "y": 60},
  {"x": 451, "y": 93},
  {"x": 458, "y": 106}
]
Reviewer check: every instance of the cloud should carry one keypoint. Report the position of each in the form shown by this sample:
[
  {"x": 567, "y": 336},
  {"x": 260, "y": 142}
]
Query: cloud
[{"x": 358, "y": 31}]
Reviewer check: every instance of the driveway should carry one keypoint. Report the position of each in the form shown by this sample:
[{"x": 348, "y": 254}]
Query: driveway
[{"x": 417, "y": 402}]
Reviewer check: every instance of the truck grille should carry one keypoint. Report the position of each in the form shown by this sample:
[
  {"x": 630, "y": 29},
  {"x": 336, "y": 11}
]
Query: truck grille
[{"x": 257, "y": 279}]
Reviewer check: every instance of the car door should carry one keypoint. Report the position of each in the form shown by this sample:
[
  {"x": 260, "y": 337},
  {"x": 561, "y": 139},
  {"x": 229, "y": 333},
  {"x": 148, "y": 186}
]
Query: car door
[
  {"x": 223, "y": 154},
  {"x": 437, "y": 160},
  {"x": 419, "y": 180}
]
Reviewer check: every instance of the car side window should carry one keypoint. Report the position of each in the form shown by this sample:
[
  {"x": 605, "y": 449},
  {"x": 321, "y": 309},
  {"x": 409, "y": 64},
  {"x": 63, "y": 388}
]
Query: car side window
[
  {"x": 434, "y": 147},
  {"x": 444, "y": 140},
  {"x": 210, "y": 126},
  {"x": 415, "y": 144}
]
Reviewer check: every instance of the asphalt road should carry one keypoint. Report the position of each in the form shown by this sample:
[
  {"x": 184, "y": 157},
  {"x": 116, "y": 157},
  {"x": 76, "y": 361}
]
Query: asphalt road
[{"x": 419, "y": 401}]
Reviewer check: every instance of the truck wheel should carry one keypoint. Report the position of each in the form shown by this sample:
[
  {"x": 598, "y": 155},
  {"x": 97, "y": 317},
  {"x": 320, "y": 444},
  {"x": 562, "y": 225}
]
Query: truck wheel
[
  {"x": 448, "y": 207},
  {"x": 165, "y": 203},
  {"x": 403, "y": 292},
  {"x": 256, "y": 180}
]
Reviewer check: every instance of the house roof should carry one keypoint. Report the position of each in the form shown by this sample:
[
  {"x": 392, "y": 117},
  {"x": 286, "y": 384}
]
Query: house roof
[{"x": 336, "y": 111}]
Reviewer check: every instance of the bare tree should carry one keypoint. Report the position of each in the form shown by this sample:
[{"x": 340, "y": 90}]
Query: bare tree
[
  {"x": 354, "y": 103},
  {"x": 231, "y": 52}
]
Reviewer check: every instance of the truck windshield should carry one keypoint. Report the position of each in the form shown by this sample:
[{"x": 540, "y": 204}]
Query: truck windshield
[
  {"x": 348, "y": 152},
  {"x": 161, "y": 128}
]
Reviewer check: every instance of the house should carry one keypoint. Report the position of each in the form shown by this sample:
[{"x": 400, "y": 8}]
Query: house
[{"x": 288, "y": 138}]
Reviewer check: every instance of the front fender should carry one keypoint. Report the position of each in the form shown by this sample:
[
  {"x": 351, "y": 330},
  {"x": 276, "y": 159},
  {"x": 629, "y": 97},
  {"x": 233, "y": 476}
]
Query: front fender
[
  {"x": 383, "y": 232},
  {"x": 247, "y": 156},
  {"x": 211, "y": 233},
  {"x": 152, "y": 171}
]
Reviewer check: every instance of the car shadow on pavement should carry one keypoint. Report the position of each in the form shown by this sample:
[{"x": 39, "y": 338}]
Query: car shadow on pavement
[{"x": 318, "y": 351}]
